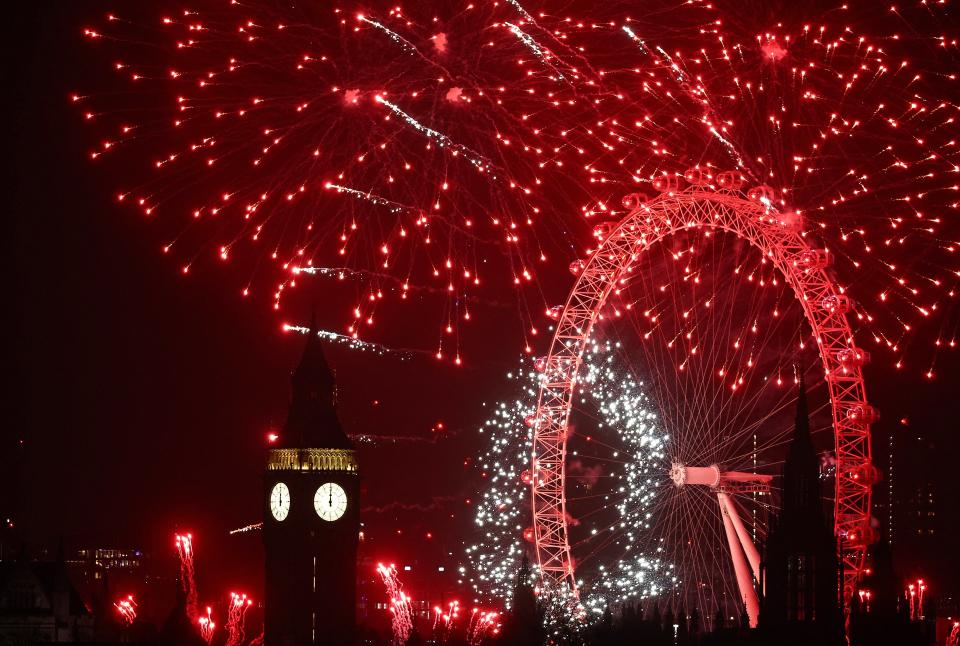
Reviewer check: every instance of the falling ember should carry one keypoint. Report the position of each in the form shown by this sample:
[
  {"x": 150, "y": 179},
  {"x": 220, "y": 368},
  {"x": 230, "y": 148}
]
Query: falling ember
[
  {"x": 127, "y": 608},
  {"x": 236, "y": 615},
  {"x": 188, "y": 578},
  {"x": 207, "y": 626},
  {"x": 400, "y": 604}
]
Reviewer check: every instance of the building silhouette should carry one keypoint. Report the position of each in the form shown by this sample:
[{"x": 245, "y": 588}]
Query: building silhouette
[
  {"x": 800, "y": 570},
  {"x": 311, "y": 516},
  {"x": 38, "y": 603}
]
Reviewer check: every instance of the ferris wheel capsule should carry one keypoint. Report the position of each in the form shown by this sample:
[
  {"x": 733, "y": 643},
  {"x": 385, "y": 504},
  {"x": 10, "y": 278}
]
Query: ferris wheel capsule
[
  {"x": 667, "y": 183},
  {"x": 576, "y": 267},
  {"x": 730, "y": 180},
  {"x": 633, "y": 201},
  {"x": 540, "y": 364},
  {"x": 863, "y": 414},
  {"x": 697, "y": 176},
  {"x": 865, "y": 473},
  {"x": 837, "y": 303},
  {"x": 861, "y": 535},
  {"x": 853, "y": 357},
  {"x": 603, "y": 229},
  {"x": 555, "y": 311},
  {"x": 814, "y": 259},
  {"x": 763, "y": 194}
]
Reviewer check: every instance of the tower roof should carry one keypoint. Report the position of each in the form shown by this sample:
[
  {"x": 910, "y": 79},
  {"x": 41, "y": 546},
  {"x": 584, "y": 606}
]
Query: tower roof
[
  {"x": 801, "y": 469},
  {"x": 312, "y": 420}
]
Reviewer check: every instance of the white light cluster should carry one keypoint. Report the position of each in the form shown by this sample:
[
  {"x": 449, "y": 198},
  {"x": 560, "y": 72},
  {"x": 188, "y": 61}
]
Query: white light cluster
[
  {"x": 502, "y": 510},
  {"x": 626, "y": 411},
  {"x": 641, "y": 459}
]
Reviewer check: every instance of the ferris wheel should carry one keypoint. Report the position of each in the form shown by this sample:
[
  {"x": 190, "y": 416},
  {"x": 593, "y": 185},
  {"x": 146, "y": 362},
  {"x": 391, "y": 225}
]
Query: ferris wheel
[{"x": 716, "y": 305}]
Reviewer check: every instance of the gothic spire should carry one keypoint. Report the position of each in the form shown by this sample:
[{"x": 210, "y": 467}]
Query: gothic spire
[
  {"x": 801, "y": 470},
  {"x": 312, "y": 420}
]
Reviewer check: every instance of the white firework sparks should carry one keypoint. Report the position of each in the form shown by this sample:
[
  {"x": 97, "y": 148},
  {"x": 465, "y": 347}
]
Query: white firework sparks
[{"x": 625, "y": 416}]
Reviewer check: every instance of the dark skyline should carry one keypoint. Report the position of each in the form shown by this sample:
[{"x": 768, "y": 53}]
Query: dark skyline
[{"x": 141, "y": 399}]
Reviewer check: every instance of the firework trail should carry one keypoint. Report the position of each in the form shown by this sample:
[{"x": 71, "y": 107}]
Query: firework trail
[
  {"x": 257, "y": 641},
  {"x": 482, "y": 624},
  {"x": 127, "y": 608},
  {"x": 236, "y": 615},
  {"x": 253, "y": 527},
  {"x": 400, "y": 606},
  {"x": 445, "y": 621},
  {"x": 350, "y": 342},
  {"x": 207, "y": 626},
  {"x": 188, "y": 580}
]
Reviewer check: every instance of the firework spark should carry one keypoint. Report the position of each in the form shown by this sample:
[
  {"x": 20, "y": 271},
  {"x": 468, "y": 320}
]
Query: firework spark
[
  {"x": 127, "y": 607},
  {"x": 401, "y": 609},
  {"x": 236, "y": 616},
  {"x": 184, "y": 544},
  {"x": 430, "y": 144},
  {"x": 207, "y": 626}
]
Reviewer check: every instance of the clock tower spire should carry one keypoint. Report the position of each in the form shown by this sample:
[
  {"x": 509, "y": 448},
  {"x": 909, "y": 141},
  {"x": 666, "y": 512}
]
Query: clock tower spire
[{"x": 312, "y": 523}]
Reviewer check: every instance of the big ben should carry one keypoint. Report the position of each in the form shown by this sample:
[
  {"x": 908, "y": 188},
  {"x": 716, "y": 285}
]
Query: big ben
[{"x": 312, "y": 522}]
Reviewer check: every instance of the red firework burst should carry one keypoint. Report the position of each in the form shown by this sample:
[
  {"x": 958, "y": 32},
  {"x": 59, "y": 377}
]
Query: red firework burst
[{"x": 423, "y": 148}]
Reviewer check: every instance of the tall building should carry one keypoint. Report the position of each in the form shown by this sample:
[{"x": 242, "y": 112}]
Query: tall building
[
  {"x": 800, "y": 570},
  {"x": 312, "y": 521}
]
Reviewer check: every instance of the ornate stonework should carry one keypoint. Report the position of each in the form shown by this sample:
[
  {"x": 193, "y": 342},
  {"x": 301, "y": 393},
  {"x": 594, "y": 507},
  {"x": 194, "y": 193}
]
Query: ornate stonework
[{"x": 312, "y": 460}]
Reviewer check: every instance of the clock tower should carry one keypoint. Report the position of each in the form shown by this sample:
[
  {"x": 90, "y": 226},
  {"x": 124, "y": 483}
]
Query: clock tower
[{"x": 311, "y": 516}]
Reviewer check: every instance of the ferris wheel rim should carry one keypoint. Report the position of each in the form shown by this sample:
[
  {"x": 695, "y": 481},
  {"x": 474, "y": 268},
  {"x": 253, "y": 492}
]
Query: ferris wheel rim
[{"x": 780, "y": 240}]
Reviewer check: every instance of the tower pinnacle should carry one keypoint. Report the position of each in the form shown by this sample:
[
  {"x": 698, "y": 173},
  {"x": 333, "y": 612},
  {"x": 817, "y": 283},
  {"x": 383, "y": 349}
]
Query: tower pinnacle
[{"x": 312, "y": 420}]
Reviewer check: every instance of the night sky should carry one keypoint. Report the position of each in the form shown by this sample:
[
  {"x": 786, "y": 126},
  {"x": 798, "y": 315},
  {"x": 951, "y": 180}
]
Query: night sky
[{"x": 139, "y": 399}]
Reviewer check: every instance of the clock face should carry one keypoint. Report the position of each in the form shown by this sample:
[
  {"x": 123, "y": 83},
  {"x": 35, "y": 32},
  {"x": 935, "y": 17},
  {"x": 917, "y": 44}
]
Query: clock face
[
  {"x": 330, "y": 501},
  {"x": 280, "y": 501}
]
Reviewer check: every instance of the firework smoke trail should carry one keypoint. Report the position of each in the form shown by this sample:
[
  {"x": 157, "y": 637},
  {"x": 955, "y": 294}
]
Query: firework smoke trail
[
  {"x": 400, "y": 608},
  {"x": 236, "y": 615},
  {"x": 367, "y": 196},
  {"x": 697, "y": 94},
  {"x": 544, "y": 55},
  {"x": 207, "y": 626},
  {"x": 257, "y": 641},
  {"x": 394, "y": 36},
  {"x": 444, "y": 141},
  {"x": 523, "y": 12},
  {"x": 128, "y": 609},
  {"x": 188, "y": 579},
  {"x": 350, "y": 342}
]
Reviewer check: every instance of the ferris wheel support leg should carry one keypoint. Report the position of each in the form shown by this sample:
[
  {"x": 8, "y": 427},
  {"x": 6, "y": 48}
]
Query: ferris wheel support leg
[
  {"x": 740, "y": 567},
  {"x": 728, "y": 505}
]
